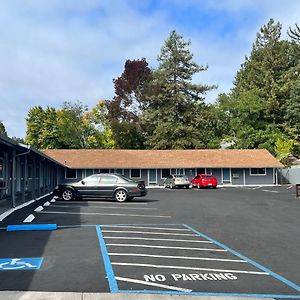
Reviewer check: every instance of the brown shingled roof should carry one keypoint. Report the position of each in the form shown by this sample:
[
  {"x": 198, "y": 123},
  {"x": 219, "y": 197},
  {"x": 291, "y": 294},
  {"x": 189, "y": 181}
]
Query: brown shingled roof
[{"x": 144, "y": 159}]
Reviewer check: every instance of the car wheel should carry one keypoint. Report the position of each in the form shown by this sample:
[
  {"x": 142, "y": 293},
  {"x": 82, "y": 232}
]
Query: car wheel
[
  {"x": 68, "y": 194},
  {"x": 187, "y": 186},
  {"x": 198, "y": 186},
  {"x": 121, "y": 195}
]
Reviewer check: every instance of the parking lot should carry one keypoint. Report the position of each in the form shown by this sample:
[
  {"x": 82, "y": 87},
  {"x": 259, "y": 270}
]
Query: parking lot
[{"x": 228, "y": 241}]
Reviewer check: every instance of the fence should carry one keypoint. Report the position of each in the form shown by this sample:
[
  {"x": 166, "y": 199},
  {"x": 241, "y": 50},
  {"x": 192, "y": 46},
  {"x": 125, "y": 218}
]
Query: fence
[{"x": 290, "y": 175}]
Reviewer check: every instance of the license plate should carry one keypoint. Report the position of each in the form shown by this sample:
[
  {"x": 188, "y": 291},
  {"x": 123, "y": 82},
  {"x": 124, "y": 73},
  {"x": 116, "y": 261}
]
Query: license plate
[{"x": 210, "y": 184}]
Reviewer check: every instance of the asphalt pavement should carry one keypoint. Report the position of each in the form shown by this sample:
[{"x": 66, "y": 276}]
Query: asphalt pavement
[{"x": 225, "y": 242}]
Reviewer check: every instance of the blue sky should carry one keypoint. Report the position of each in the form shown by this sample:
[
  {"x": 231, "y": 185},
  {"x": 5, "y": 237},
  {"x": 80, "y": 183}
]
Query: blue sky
[{"x": 67, "y": 50}]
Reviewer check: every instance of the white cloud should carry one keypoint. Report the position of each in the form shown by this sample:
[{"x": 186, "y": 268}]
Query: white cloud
[{"x": 53, "y": 51}]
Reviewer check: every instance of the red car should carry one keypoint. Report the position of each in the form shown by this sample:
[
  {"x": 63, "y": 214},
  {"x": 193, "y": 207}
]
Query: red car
[{"x": 204, "y": 180}]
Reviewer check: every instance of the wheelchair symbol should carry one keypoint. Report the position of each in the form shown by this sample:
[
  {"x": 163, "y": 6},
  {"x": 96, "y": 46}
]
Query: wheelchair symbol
[{"x": 16, "y": 264}]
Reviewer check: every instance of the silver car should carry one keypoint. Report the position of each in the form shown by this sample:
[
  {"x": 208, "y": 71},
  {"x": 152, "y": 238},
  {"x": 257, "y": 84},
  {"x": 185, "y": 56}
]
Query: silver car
[{"x": 173, "y": 181}]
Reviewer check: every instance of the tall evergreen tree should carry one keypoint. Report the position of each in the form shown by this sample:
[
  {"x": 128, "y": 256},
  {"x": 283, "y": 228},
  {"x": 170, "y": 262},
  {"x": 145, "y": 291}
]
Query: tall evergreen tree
[
  {"x": 266, "y": 70},
  {"x": 261, "y": 104},
  {"x": 173, "y": 102}
]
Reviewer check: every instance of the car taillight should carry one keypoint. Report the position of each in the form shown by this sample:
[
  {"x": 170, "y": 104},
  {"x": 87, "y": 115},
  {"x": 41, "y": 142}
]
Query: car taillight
[{"x": 141, "y": 186}]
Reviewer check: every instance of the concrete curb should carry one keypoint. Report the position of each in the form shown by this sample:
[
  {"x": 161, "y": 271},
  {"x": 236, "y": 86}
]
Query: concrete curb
[{"x": 17, "y": 295}]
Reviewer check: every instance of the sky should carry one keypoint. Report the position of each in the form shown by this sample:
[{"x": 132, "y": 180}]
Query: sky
[{"x": 53, "y": 51}]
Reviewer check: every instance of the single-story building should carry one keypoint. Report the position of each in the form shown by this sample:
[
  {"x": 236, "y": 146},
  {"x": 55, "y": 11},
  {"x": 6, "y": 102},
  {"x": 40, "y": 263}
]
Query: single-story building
[
  {"x": 25, "y": 173},
  {"x": 230, "y": 167}
]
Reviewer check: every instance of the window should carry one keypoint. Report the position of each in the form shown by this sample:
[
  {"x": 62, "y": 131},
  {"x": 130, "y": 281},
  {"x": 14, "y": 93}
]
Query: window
[
  {"x": 209, "y": 171},
  {"x": 119, "y": 171},
  {"x": 30, "y": 171},
  {"x": 201, "y": 171},
  {"x": 107, "y": 179},
  {"x": 91, "y": 180},
  {"x": 165, "y": 173},
  {"x": 88, "y": 172},
  {"x": 1, "y": 168},
  {"x": 177, "y": 171},
  {"x": 135, "y": 173},
  {"x": 104, "y": 171},
  {"x": 257, "y": 171},
  {"x": 71, "y": 173}
]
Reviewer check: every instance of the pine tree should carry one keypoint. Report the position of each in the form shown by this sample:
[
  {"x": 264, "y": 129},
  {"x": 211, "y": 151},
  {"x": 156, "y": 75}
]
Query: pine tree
[{"x": 173, "y": 102}]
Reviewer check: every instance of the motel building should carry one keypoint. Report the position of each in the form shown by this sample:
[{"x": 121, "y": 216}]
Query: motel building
[
  {"x": 27, "y": 173},
  {"x": 230, "y": 167}
]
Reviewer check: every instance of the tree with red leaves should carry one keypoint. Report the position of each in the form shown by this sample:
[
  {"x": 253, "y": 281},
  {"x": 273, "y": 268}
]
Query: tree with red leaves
[{"x": 125, "y": 109}]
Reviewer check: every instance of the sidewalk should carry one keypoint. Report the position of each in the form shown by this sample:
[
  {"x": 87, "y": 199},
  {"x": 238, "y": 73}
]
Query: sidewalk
[{"x": 11, "y": 295}]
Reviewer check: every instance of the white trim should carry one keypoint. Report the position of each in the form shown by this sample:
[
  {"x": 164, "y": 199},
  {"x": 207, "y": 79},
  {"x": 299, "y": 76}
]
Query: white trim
[
  {"x": 250, "y": 173},
  {"x": 135, "y": 177},
  {"x": 152, "y": 182},
  {"x": 230, "y": 178},
  {"x": 244, "y": 175}
]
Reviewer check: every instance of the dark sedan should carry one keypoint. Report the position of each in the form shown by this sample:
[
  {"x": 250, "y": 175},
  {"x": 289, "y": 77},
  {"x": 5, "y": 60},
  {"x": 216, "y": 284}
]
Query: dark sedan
[{"x": 116, "y": 186}]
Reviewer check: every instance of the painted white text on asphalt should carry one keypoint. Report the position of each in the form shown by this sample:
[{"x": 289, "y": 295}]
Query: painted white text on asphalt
[{"x": 190, "y": 277}]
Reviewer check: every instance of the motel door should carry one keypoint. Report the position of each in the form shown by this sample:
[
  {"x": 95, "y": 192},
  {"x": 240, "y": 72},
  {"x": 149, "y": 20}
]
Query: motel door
[
  {"x": 152, "y": 177},
  {"x": 226, "y": 176}
]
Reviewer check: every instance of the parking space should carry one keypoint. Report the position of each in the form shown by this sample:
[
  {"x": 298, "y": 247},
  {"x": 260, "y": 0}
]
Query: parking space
[
  {"x": 170, "y": 242},
  {"x": 177, "y": 259}
]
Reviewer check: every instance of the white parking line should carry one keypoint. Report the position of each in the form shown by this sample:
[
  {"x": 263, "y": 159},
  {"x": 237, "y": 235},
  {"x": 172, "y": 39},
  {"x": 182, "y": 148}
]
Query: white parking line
[
  {"x": 178, "y": 257},
  {"x": 46, "y": 203},
  {"x": 97, "y": 206},
  {"x": 256, "y": 188},
  {"x": 167, "y": 247},
  {"x": 106, "y": 202},
  {"x": 39, "y": 208},
  {"x": 189, "y": 268},
  {"x": 101, "y": 214},
  {"x": 29, "y": 219},
  {"x": 52, "y": 200},
  {"x": 149, "y": 232},
  {"x": 174, "y": 288},
  {"x": 144, "y": 227},
  {"x": 270, "y": 191},
  {"x": 151, "y": 239}
]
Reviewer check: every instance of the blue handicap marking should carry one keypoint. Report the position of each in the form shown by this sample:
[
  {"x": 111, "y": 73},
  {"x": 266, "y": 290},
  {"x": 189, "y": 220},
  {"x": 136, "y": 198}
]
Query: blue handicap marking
[{"x": 7, "y": 264}]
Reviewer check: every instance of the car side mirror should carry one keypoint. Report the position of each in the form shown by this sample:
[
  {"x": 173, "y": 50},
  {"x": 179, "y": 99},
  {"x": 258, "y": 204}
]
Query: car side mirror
[{"x": 83, "y": 182}]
